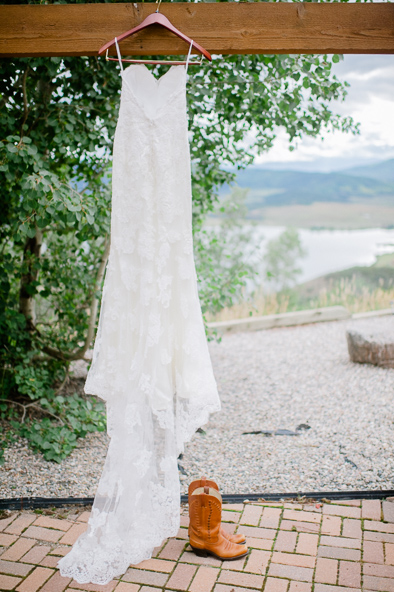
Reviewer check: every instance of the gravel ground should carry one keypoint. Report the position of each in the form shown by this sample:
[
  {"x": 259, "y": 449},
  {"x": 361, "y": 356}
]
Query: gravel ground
[{"x": 268, "y": 380}]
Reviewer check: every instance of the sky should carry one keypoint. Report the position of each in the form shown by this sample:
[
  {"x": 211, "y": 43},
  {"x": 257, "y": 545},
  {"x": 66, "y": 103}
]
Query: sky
[{"x": 370, "y": 101}]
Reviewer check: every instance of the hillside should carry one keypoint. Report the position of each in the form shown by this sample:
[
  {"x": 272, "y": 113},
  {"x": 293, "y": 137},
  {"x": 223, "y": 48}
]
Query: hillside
[
  {"x": 282, "y": 188},
  {"x": 371, "y": 278},
  {"x": 383, "y": 171}
]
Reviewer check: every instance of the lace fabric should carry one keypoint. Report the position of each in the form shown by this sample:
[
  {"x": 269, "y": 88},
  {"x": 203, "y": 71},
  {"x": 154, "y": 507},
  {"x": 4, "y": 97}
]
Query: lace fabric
[{"x": 151, "y": 361}]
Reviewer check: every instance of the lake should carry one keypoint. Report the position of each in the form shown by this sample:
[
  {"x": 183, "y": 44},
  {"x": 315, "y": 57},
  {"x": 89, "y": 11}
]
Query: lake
[{"x": 333, "y": 250}]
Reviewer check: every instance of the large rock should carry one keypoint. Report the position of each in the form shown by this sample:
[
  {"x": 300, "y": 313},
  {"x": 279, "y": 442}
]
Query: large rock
[{"x": 372, "y": 346}]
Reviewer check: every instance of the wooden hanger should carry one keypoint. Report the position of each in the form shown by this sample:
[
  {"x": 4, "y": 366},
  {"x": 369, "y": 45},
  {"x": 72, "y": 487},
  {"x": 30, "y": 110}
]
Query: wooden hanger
[{"x": 156, "y": 18}]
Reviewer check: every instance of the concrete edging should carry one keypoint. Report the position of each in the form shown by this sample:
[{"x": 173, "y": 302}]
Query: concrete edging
[
  {"x": 373, "y": 313},
  {"x": 288, "y": 319}
]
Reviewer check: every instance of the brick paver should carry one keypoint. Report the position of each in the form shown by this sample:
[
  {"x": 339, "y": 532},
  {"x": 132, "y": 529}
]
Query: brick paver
[
  {"x": 276, "y": 585},
  {"x": 20, "y": 524},
  {"x": 389, "y": 554},
  {"x": 299, "y": 526},
  {"x": 301, "y": 574},
  {"x": 204, "y": 579},
  {"x": 339, "y": 553},
  {"x": 270, "y": 517},
  {"x": 126, "y": 587},
  {"x": 92, "y": 587},
  {"x": 294, "y": 547},
  {"x": 300, "y": 587},
  {"x": 326, "y": 570},
  {"x": 8, "y": 582},
  {"x": 258, "y": 561},
  {"x": 373, "y": 552},
  {"x": 14, "y": 568},
  {"x": 307, "y": 543},
  {"x": 18, "y": 549},
  {"x": 73, "y": 533},
  {"x": 43, "y": 534},
  {"x": 53, "y": 523},
  {"x": 181, "y": 577},
  {"x": 293, "y": 559},
  {"x": 371, "y": 509},
  {"x": 331, "y": 525},
  {"x": 349, "y": 574},
  {"x": 352, "y": 528},
  {"x": 35, "y": 580},
  {"x": 251, "y": 515},
  {"x": 346, "y": 511},
  {"x": 4, "y": 522},
  {"x": 7, "y": 539},
  {"x": 286, "y": 541},
  {"x": 172, "y": 550},
  {"x": 56, "y": 583},
  {"x": 36, "y": 554}
]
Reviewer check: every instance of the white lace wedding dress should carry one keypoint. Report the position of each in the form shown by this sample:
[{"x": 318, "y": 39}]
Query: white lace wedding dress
[{"x": 151, "y": 362}]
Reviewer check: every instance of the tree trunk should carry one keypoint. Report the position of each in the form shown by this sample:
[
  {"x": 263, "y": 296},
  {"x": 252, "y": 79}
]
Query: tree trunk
[{"x": 31, "y": 255}]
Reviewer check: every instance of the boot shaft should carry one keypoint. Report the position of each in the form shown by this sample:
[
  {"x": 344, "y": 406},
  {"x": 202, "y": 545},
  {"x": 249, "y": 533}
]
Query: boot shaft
[
  {"x": 203, "y": 482},
  {"x": 205, "y": 511}
]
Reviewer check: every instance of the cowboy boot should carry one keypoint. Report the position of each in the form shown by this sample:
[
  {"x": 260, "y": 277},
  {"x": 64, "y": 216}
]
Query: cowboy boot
[
  {"x": 203, "y": 482},
  {"x": 205, "y": 511}
]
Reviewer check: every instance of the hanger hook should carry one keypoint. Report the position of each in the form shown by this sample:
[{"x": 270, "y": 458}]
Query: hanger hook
[{"x": 158, "y": 2}]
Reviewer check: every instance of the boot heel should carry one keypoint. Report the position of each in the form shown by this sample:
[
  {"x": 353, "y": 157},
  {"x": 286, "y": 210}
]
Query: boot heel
[{"x": 200, "y": 552}]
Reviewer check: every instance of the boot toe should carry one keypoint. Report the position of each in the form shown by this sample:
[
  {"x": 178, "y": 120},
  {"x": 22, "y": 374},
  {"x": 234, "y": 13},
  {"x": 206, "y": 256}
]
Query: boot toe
[
  {"x": 243, "y": 550},
  {"x": 233, "y": 538},
  {"x": 238, "y": 539},
  {"x": 229, "y": 551}
]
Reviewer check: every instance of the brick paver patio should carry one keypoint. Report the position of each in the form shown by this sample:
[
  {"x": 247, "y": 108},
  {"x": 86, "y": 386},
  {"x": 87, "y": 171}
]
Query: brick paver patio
[{"x": 330, "y": 547}]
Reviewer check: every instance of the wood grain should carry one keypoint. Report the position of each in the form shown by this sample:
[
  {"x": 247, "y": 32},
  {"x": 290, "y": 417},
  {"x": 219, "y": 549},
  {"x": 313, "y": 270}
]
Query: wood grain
[{"x": 222, "y": 28}]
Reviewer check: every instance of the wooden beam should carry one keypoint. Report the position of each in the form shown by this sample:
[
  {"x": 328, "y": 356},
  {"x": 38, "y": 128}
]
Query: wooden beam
[{"x": 222, "y": 28}]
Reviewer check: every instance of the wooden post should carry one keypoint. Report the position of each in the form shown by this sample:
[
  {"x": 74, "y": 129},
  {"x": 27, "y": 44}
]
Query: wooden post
[{"x": 222, "y": 28}]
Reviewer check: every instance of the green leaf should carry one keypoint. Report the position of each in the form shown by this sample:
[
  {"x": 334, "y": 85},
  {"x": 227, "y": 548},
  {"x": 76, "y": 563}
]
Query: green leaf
[{"x": 31, "y": 232}]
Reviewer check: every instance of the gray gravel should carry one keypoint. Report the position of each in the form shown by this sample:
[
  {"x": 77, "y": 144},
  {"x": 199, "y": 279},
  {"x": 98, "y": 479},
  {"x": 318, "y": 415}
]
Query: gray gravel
[{"x": 268, "y": 380}]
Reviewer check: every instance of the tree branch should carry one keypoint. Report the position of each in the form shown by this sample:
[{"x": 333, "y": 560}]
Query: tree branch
[
  {"x": 59, "y": 390},
  {"x": 25, "y": 105},
  {"x": 35, "y": 407},
  {"x": 95, "y": 301}
]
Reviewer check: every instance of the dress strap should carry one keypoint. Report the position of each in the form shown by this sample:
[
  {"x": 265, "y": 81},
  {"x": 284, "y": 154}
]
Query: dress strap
[
  {"x": 188, "y": 55},
  {"x": 119, "y": 56}
]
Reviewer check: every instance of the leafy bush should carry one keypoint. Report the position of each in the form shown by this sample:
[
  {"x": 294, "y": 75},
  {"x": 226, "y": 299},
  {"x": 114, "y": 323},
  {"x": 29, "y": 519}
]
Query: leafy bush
[{"x": 77, "y": 417}]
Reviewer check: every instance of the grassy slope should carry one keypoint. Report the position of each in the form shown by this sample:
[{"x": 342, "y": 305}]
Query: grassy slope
[
  {"x": 363, "y": 277},
  {"x": 359, "y": 289}
]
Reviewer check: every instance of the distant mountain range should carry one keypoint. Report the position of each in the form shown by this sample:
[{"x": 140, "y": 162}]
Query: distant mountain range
[
  {"x": 285, "y": 187},
  {"x": 382, "y": 171}
]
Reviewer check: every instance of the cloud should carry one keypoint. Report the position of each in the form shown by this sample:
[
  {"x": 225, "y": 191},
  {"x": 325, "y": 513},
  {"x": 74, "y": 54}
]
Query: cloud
[
  {"x": 366, "y": 83},
  {"x": 370, "y": 101}
]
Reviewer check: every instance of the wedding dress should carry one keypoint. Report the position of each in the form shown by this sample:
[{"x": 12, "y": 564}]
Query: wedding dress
[{"x": 151, "y": 361}]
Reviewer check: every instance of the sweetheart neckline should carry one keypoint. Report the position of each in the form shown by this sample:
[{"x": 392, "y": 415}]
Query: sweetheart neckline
[{"x": 156, "y": 80}]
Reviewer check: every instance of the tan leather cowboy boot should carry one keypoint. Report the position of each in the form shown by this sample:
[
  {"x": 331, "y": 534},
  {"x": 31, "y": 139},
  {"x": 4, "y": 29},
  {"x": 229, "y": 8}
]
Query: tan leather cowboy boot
[
  {"x": 203, "y": 482},
  {"x": 205, "y": 511}
]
